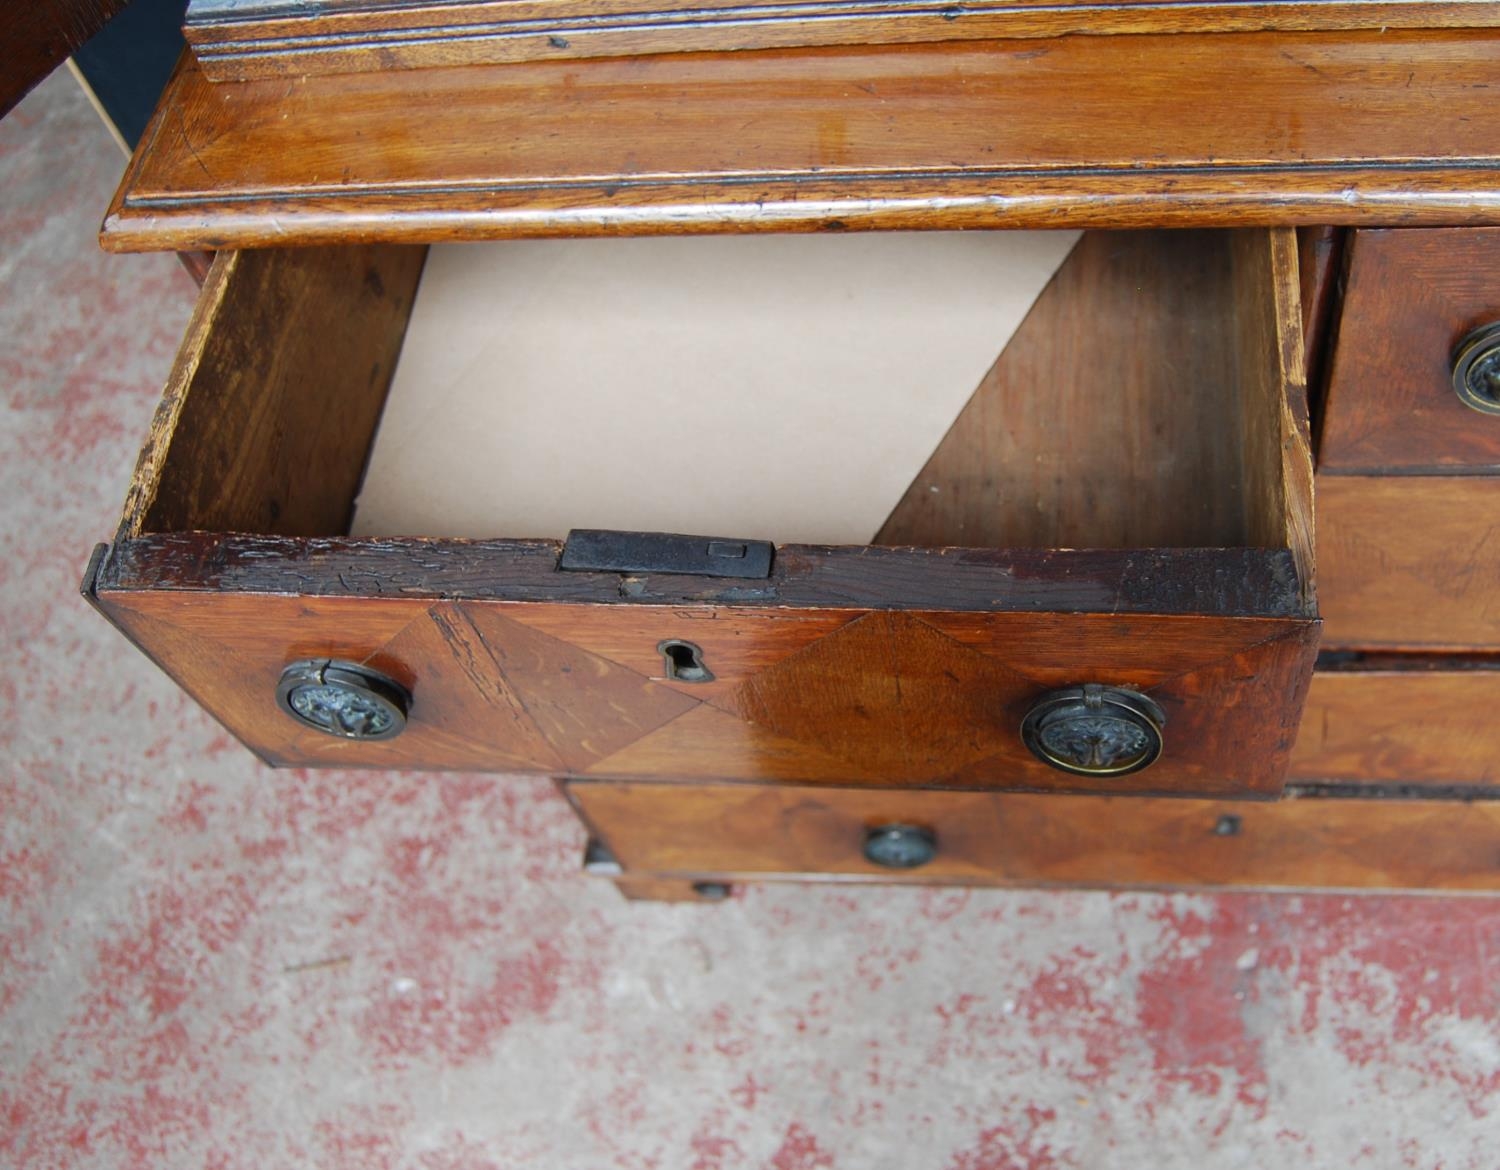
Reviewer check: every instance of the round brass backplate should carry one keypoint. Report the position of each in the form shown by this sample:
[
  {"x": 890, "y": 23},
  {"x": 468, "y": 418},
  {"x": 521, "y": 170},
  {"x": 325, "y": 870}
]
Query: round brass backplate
[
  {"x": 343, "y": 699},
  {"x": 1094, "y": 730},
  {"x": 1476, "y": 369}
]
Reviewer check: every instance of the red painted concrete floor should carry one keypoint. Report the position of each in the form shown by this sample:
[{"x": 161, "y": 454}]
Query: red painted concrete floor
[{"x": 204, "y": 963}]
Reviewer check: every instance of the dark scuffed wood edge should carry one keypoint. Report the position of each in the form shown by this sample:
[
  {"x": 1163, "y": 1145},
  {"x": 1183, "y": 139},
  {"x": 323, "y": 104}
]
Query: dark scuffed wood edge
[
  {"x": 1345, "y": 790},
  {"x": 39, "y": 35},
  {"x": 284, "y": 39},
  {"x": 1222, "y": 582}
]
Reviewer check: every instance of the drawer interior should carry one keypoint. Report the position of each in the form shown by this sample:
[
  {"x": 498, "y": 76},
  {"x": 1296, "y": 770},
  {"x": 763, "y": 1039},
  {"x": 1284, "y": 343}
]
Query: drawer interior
[{"x": 1145, "y": 402}]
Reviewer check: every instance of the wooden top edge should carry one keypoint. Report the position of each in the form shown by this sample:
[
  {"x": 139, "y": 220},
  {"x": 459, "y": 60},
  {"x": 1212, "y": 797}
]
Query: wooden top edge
[
  {"x": 237, "y": 42},
  {"x": 1414, "y": 196},
  {"x": 1392, "y": 129},
  {"x": 1241, "y": 582},
  {"x": 456, "y": 13}
]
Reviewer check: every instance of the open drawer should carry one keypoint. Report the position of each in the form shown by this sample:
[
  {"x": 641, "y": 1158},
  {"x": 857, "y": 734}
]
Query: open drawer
[{"x": 1100, "y": 582}]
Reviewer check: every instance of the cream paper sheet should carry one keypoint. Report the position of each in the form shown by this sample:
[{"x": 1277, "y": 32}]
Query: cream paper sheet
[{"x": 786, "y": 388}]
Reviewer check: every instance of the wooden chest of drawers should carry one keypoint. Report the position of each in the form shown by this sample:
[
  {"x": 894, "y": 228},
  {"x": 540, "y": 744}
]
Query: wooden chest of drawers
[{"x": 1024, "y": 679}]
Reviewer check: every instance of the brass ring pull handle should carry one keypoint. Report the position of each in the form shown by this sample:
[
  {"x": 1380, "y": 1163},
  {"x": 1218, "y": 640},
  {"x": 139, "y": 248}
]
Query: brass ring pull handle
[
  {"x": 1094, "y": 730},
  {"x": 343, "y": 699},
  {"x": 1476, "y": 369}
]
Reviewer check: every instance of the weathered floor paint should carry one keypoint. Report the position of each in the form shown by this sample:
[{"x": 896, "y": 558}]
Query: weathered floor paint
[{"x": 207, "y": 964}]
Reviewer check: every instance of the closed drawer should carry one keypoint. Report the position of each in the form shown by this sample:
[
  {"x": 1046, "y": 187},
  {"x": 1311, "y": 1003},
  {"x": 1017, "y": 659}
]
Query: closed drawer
[
  {"x": 1123, "y": 507},
  {"x": 1409, "y": 562},
  {"x": 1393, "y": 721},
  {"x": 706, "y": 832},
  {"x": 1412, "y": 299}
]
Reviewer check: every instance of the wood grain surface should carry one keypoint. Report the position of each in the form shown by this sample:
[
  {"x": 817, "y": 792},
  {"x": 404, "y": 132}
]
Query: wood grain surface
[
  {"x": 1416, "y": 724},
  {"x": 1343, "y": 128},
  {"x": 1271, "y": 363},
  {"x": 1017, "y": 839},
  {"x": 1411, "y": 296},
  {"x": 39, "y": 35},
  {"x": 1112, "y": 419},
  {"x": 238, "y": 41},
  {"x": 850, "y": 697},
  {"x": 1320, "y": 253},
  {"x": 1202, "y": 437},
  {"x": 1409, "y": 562}
]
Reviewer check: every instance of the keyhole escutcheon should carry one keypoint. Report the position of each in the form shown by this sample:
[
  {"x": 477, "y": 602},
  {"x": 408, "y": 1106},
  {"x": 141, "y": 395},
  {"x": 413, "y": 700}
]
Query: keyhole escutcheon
[{"x": 684, "y": 661}]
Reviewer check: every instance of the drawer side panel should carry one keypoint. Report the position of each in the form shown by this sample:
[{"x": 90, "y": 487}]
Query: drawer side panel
[{"x": 273, "y": 400}]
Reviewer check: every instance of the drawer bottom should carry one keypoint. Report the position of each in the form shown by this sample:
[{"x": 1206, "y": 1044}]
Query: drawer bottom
[{"x": 670, "y": 836}]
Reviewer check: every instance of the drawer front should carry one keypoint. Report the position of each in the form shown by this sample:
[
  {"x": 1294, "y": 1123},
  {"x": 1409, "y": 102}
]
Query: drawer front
[
  {"x": 1401, "y": 725},
  {"x": 1411, "y": 299},
  {"x": 704, "y": 832},
  {"x": 826, "y": 695},
  {"x": 1409, "y": 562}
]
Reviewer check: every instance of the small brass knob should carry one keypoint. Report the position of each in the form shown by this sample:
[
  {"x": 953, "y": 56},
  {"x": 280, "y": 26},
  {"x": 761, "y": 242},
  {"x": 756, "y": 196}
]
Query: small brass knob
[
  {"x": 1476, "y": 369},
  {"x": 1095, "y": 730},
  {"x": 900, "y": 846},
  {"x": 343, "y": 699}
]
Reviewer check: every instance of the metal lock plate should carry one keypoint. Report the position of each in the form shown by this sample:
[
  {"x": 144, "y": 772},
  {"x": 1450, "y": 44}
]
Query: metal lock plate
[{"x": 597, "y": 550}]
